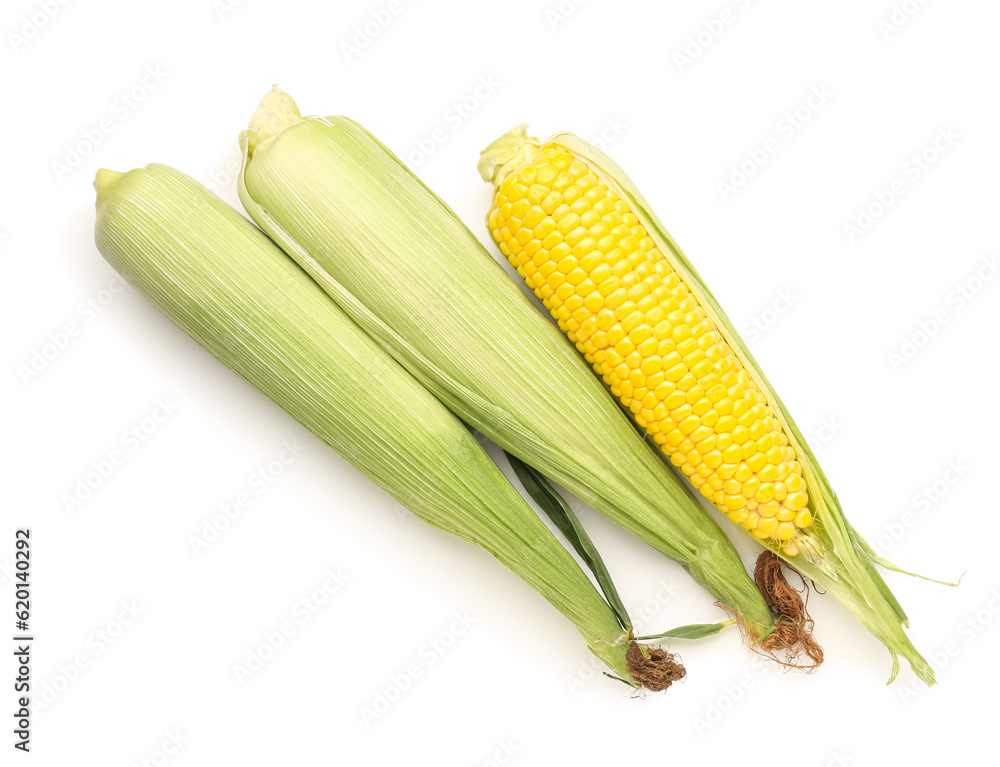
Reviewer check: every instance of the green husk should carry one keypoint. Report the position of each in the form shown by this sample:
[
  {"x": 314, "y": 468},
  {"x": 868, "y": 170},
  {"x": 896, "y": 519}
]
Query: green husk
[
  {"x": 835, "y": 557},
  {"x": 694, "y": 631},
  {"x": 233, "y": 291},
  {"x": 565, "y": 519},
  {"x": 409, "y": 272}
]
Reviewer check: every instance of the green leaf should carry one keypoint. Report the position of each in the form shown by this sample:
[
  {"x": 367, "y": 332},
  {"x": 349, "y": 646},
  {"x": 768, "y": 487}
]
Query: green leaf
[
  {"x": 556, "y": 508},
  {"x": 694, "y": 631},
  {"x": 883, "y": 562}
]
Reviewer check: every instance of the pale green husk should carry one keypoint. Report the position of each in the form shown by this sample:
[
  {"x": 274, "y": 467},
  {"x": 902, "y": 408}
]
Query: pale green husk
[
  {"x": 409, "y": 272},
  {"x": 233, "y": 291},
  {"x": 842, "y": 563}
]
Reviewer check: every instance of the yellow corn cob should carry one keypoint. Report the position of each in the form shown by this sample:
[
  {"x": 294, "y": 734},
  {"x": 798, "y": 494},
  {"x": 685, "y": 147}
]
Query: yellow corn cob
[
  {"x": 596, "y": 269},
  {"x": 590, "y": 246}
]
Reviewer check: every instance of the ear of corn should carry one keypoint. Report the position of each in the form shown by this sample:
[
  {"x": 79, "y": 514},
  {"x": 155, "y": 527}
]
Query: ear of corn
[
  {"x": 583, "y": 251},
  {"x": 234, "y": 292},
  {"x": 403, "y": 266},
  {"x": 583, "y": 238}
]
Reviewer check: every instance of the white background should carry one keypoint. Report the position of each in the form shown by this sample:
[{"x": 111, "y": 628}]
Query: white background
[{"x": 516, "y": 687}]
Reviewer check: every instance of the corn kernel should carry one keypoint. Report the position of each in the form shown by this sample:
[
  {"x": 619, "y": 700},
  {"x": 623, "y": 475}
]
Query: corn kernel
[
  {"x": 795, "y": 501},
  {"x": 768, "y": 525},
  {"x": 702, "y": 433},
  {"x": 688, "y": 425},
  {"x": 675, "y": 399},
  {"x": 757, "y": 461},
  {"x": 784, "y": 531},
  {"x": 765, "y": 492},
  {"x": 770, "y": 509},
  {"x": 769, "y": 473},
  {"x": 713, "y": 459}
]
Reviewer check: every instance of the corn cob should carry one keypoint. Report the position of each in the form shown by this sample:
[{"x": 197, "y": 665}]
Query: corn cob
[
  {"x": 599, "y": 273},
  {"x": 584, "y": 240},
  {"x": 231, "y": 289},
  {"x": 403, "y": 266}
]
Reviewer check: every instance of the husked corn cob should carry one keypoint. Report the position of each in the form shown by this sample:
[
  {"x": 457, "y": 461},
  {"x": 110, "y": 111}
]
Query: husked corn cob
[
  {"x": 590, "y": 246},
  {"x": 601, "y": 276},
  {"x": 237, "y": 294},
  {"x": 404, "y": 267}
]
